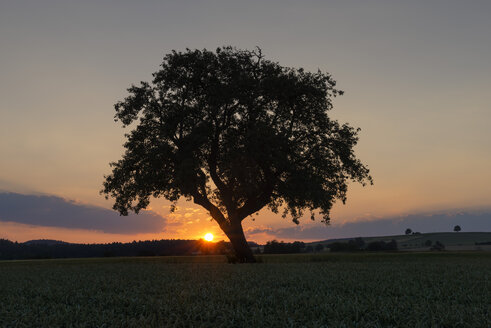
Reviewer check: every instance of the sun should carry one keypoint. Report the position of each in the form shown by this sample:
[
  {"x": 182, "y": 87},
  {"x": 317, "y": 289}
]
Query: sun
[{"x": 208, "y": 237}]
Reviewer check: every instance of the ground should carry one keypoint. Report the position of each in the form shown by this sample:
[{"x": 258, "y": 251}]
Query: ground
[{"x": 447, "y": 289}]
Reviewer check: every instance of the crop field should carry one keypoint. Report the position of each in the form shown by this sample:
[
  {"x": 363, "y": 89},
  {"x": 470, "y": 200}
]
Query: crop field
[{"x": 327, "y": 290}]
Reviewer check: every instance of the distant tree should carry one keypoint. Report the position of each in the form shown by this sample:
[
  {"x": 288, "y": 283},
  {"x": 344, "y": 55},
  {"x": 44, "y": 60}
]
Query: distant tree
[
  {"x": 392, "y": 245},
  {"x": 408, "y": 231},
  {"x": 319, "y": 247},
  {"x": 309, "y": 249},
  {"x": 360, "y": 243},
  {"x": 438, "y": 246},
  {"x": 223, "y": 247},
  {"x": 457, "y": 228},
  {"x": 350, "y": 246},
  {"x": 382, "y": 246},
  {"x": 428, "y": 243},
  {"x": 296, "y": 247},
  {"x": 275, "y": 247},
  {"x": 271, "y": 247},
  {"x": 234, "y": 132},
  {"x": 376, "y": 246}
]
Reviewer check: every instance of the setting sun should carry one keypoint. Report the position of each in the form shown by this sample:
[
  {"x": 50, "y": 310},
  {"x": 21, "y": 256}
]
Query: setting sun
[{"x": 208, "y": 237}]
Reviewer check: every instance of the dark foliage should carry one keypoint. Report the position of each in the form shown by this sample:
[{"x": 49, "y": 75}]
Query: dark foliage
[
  {"x": 457, "y": 228},
  {"x": 382, "y": 246},
  {"x": 31, "y": 250},
  {"x": 352, "y": 245},
  {"x": 234, "y": 132},
  {"x": 280, "y": 247},
  {"x": 349, "y": 246},
  {"x": 438, "y": 246},
  {"x": 408, "y": 231},
  {"x": 359, "y": 242}
]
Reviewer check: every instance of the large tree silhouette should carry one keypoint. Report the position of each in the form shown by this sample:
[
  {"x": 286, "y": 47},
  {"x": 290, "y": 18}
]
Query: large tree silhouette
[{"x": 234, "y": 132}]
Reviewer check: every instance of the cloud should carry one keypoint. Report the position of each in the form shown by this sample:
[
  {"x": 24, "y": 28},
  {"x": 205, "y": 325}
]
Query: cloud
[
  {"x": 258, "y": 230},
  {"x": 9, "y": 186},
  {"x": 479, "y": 221},
  {"x": 53, "y": 211}
]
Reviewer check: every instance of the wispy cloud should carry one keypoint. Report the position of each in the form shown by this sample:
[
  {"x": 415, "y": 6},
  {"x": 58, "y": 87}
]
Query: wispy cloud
[{"x": 54, "y": 211}]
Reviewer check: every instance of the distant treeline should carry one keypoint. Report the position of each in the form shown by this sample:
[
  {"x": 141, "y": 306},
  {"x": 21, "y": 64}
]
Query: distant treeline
[
  {"x": 50, "y": 249},
  {"x": 349, "y": 246},
  {"x": 353, "y": 245},
  {"x": 45, "y": 249},
  {"x": 279, "y": 247},
  {"x": 358, "y": 244}
]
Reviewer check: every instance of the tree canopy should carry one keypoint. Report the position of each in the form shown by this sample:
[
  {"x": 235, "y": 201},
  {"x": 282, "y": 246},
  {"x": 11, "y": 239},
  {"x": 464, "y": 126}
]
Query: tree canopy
[{"x": 234, "y": 132}]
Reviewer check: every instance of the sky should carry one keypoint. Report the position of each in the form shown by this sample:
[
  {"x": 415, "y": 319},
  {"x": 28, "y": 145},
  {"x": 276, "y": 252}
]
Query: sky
[{"x": 416, "y": 74}]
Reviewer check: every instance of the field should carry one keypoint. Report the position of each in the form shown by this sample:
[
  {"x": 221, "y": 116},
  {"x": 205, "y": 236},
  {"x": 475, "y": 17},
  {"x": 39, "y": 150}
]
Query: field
[
  {"x": 454, "y": 241},
  {"x": 447, "y": 289}
]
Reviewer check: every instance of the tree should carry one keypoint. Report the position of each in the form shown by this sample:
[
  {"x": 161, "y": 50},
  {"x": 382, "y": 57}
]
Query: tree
[
  {"x": 360, "y": 243},
  {"x": 234, "y": 133},
  {"x": 408, "y": 231},
  {"x": 438, "y": 246},
  {"x": 349, "y": 246},
  {"x": 275, "y": 247},
  {"x": 381, "y": 245},
  {"x": 457, "y": 228}
]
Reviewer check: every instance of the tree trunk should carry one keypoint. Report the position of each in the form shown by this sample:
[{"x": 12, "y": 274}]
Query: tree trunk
[{"x": 242, "y": 250}]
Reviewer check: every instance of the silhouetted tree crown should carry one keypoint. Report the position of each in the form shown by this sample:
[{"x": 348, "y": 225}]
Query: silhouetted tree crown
[
  {"x": 457, "y": 228},
  {"x": 234, "y": 132},
  {"x": 408, "y": 231}
]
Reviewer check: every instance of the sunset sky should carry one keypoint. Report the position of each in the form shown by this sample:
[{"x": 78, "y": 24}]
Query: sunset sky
[{"x": 417, "y": 77}]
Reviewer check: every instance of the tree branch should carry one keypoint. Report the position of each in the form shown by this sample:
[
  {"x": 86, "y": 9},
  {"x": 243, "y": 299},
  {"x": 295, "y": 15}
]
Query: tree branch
[
  {"x": 253, "y": 205},
  {"x": 200, "y": 198},
  {"x": 225, "y": 192}
]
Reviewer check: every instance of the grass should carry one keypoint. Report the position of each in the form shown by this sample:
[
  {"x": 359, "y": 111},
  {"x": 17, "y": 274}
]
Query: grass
[{"x": 327, "y": 290}]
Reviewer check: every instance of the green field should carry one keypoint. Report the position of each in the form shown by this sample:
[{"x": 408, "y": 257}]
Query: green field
[{"x": 327, "y": 290}]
